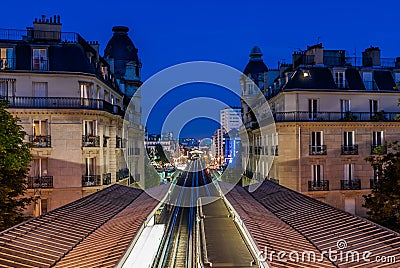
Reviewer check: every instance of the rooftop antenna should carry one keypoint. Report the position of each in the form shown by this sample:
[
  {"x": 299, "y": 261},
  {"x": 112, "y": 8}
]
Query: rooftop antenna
[
  {"x": 318, "y": 39},
  {"x": 355, "y": 56}
]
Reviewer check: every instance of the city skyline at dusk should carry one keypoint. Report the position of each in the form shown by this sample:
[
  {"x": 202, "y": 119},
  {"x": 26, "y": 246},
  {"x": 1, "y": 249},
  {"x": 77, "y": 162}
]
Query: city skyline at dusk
[{"x": 224, "y": 32}]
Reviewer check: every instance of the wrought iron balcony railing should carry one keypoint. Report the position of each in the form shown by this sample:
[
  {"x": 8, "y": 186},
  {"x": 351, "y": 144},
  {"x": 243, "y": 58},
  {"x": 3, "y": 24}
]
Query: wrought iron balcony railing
[
  {"x": 350, "y": 149},
  {"x": 90, "y": 180},
  {"x": 106, "y": 178},
  {"x": 354, "y": 184},
  {"x": 300, "y": 116},
  {"x": 40, "y": 141},
  {"x": 90, "y": 141},
  {"x": 122, "y": 174},
  {"x": 318, "y": 150},
  {"x": 322, "y": 185},
  {"x": 30, "y": 34},
  {"x": 378, "y": 149},
  {"x": 63, "y": 103},
  {"x": 36, "y": 182}
]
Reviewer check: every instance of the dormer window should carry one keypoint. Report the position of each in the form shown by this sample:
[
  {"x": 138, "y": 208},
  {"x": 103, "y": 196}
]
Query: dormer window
[
  {"x": 340, "y": 79},
  {"x": 39, "y": 59},
  {"x": 6, "y": 58}
]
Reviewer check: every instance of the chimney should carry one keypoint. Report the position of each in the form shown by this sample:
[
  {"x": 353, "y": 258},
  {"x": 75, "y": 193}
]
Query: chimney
[
  {"x": 371, "y": 57},
  {"x": 95, "y": 45},
  {"x": 47, "y": 29},
  {"x": 314, "y": 55}
]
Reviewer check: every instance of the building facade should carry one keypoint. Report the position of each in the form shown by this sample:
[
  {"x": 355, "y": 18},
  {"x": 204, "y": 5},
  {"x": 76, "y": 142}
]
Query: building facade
[
  {"x": 230, "y": 119},
  {"x": 74, "y": 111},
  {"x": 331, "y": 112}
]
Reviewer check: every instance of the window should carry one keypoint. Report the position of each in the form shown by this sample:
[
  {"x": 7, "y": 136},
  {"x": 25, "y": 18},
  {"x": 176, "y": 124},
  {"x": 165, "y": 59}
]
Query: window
[
  {"x": 340, "y": 79},
  {"x": 344, "y": 107},
  {"x": 312, "y": 109},
  {"x": 39, "y": 128},
  {"x": 7, "y": 87},
  {"x": 90, "y": 166},
  {"x": 250, "y": 88},
  {"x": 39, "y": 167},
  {"x": 368, "y": 81},
  {"x": 317, "y": 143},
  {"x": 373, "y": 107},
  {"x": 87, "y": 93},
  {"x": 348, "y": 172},
  {"x": 377, "y": 138},
  {"x": 348, "y": 138},
  {"x": 317, "y": 174},
  {"x": 40, "y": 93},
  {"x": 39, "y": 59},
  {"x": 90, "y": 127},
  {"x": 6, "y": 58}
]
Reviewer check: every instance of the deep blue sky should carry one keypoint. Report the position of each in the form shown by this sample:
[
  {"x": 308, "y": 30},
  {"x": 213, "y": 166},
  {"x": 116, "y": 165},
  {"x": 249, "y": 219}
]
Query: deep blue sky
[{"x": 171, "y": 32}]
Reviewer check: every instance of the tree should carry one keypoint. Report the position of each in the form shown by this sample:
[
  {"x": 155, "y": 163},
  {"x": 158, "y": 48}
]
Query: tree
[
  {"x": 384, "y": 201},
  {"x": 160, "y": 155},
  {"x": 14, "y": 165}
]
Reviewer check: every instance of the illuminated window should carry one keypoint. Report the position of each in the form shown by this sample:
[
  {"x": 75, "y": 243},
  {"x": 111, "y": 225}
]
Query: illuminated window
[{"x": 39, "y": 59}]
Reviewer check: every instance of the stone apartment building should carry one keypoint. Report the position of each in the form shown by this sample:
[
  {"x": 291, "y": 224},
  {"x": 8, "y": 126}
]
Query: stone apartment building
[
  {"x": 72, "y": 103},
  {"x": 330, "y": 112}
]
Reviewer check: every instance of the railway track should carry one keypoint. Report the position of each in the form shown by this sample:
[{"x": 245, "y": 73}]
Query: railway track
[{"x": 178, "y": 246}]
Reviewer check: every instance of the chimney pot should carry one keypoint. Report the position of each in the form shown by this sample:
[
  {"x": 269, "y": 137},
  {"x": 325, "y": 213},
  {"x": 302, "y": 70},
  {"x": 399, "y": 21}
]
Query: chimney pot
[
  {"x": 58, "y": 19},
  {"x": 51, "y": 20}
]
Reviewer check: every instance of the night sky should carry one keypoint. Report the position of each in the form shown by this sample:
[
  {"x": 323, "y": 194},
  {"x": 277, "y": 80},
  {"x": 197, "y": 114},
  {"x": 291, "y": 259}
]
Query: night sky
[{"x": 171, "y": 32}]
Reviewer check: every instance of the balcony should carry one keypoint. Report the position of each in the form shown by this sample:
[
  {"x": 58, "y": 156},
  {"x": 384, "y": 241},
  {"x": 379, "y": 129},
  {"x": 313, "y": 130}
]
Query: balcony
[
  {"x": 63, "y": 103},
  {"x": 300, "y": 116},
  {"x": 378, "y": 149},
  {"x": 318, "y": 150},
  {"x": 122, "y": 174},
  {"x": 36, "y": 182},
  {"x": 354, "y": 184},
  {"x": 318, "y": 185},
  {"x": 30, "y": 34},
  {"x": 90, "y": 180},
  {"x": 106, "y": 178},
  {"x": 7, "y": 64},
  {"x": 90, "y": 141},
  {"x": 40, "y": 141},
  {"x": 349, "y": 149}
]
